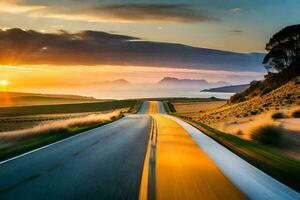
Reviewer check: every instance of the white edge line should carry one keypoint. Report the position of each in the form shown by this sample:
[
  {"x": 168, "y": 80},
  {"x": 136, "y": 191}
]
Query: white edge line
[{"x": 57, "y": 142}]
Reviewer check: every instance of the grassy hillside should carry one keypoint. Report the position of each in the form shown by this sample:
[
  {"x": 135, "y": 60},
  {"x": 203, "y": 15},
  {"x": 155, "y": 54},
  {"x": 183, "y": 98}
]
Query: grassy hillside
[
  {"x": 26, "y": 99},
  {"x": 40, "y": 100},
  {"x": 272, "y": 81},
  {"x": 285, "y": 96}
]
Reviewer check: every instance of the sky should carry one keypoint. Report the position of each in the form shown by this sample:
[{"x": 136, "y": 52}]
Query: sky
[{"x": 56, "y": 42}]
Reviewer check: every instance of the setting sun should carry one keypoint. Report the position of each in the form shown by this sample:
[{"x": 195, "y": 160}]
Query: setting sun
[{"x": 4, "y": 83}]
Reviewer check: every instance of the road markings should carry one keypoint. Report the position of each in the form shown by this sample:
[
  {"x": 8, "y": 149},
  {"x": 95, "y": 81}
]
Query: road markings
[
  {"x": 148, "y": 166},
  {"x": 147, "y": 188},
  {"x": 152, "y": 164}
]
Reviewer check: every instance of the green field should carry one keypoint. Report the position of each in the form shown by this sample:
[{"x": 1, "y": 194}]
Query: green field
[
  {"x": 41, "y": 100},
  {"x": 65, "y": 108},
  {"x": 8, "y": 99}
]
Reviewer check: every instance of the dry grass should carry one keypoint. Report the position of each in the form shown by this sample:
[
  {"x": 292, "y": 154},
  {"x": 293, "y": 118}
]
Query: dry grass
[
  {"x": 193, "y": 109},
  {"x": 25, "y": 122},
  {"x": 56, "y": 127},
  {"x": 284, "y": 97}
]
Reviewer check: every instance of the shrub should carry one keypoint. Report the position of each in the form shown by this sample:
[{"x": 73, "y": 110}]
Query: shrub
[
  {"x": 254, "y": 112},
  {"x": 237, "y": 98},
  {"x": 266, "y": 91},
  {"x": 278, "y": 115},
  {"x": 239, "y": 132},
  {"x": 296, "y": 113},
  {"x": 267, "y": 134}
]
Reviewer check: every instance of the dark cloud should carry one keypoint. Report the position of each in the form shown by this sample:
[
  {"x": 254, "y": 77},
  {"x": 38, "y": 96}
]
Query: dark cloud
[
  {"x": 111, "y": 12},
  {"x": 96, "y": 48},
  {"x": 149, "y": 12},
  {"x": 237, "y": 32},
  {"x": 124, "y": 12}
]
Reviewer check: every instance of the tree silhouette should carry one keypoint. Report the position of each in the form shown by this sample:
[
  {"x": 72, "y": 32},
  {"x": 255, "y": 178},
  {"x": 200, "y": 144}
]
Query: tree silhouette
[{"x": 283, "y": 49}]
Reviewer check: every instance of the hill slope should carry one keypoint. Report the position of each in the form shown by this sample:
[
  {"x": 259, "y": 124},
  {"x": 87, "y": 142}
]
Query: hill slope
[
  {"x": 23, "y": 99},
  {"x": 272, "y": 81},
  {"x": 230, "y": 89},
  {"x": 286, "y": 96}
]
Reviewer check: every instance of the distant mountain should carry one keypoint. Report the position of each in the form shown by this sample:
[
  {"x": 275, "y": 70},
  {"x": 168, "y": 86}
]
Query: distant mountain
[
  {"x": 120, "y": 81},
  {"x": 172, "y": 80},
  {"x": 115, "y": 82},
  {"x": 199, "y": 83},
  {"x": 229, "y": 89}
]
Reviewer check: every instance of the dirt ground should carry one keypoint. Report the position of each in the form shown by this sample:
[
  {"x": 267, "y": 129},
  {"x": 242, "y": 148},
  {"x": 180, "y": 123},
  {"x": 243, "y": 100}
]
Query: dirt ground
[{"x": 195, "y": 109}]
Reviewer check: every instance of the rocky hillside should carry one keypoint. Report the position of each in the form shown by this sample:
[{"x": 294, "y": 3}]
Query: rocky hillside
[
  {"x": 272, "y": 81},
  {"x": 286, "y": 96}
]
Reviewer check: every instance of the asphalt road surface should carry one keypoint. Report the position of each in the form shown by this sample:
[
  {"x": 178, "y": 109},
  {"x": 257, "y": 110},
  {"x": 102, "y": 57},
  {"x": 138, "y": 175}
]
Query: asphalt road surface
[{"x": 103, "y": 163}]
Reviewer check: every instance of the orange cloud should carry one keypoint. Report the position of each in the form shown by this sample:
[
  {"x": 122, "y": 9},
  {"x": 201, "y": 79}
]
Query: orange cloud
[{"x": 17, "y": 7}]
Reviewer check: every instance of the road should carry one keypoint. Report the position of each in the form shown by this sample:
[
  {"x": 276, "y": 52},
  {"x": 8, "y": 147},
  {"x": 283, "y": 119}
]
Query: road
[
  {"x": 104, "y": 163},
  {"x": 146, "y": 156}
]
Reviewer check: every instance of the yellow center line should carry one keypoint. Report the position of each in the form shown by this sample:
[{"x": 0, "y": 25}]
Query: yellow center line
[
  {"x": 182, "y": 169},
  {"x": 143, "y": 195},
  {"x": 144, "y": 187},
  {"x": 153, "y": 107}
]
